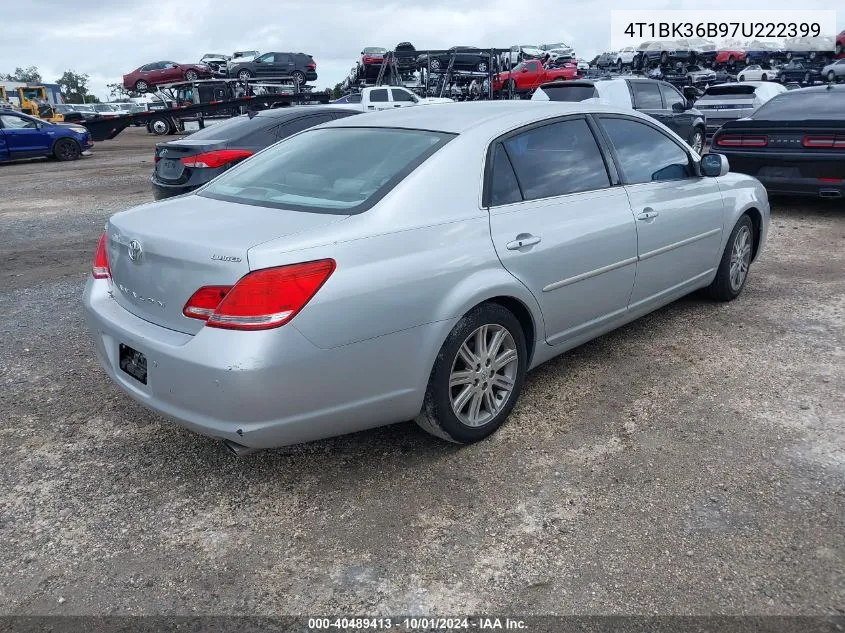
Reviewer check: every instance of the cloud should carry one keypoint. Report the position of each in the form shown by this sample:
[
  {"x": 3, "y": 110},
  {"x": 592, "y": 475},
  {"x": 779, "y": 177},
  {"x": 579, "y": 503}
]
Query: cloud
[{"x": 108, "y": 39}]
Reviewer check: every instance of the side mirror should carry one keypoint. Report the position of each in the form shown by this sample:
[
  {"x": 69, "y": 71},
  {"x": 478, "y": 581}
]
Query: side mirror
[
  {"x": 689, "y": 105},
  {"x": 678, "y": 107},
  {"x": 714, "y": 165},
  {"x": 525, "y": 70}
]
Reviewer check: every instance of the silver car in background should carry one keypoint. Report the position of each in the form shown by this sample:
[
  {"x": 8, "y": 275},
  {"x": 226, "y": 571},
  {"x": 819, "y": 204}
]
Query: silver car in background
[
  {"x": 410, "y": 264},
  {"x": 731, "y": 101}
]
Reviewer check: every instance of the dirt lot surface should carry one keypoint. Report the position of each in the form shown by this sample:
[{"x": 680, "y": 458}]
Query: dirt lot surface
[{"x": 692, "y": 462}]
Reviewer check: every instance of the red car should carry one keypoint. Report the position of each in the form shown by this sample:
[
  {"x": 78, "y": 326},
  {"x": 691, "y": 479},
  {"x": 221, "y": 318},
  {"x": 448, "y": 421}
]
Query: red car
[
  {"x": 730, "y": 56},
  {"x": 141, "y": 79},
  {"x": 531, "y": 74},
  {"x": 373, "y": 56},
  {"x": 840, "y": 44}
]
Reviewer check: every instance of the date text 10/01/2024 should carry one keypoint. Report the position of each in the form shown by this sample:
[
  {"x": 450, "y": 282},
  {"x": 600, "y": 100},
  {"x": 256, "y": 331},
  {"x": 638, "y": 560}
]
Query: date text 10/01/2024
[
  {"x": 415, "y": 623},
  {"x": 722, "y": 29}
]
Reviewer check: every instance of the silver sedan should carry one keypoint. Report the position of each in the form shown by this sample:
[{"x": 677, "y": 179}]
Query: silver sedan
[{"x": 410, "y": 264}]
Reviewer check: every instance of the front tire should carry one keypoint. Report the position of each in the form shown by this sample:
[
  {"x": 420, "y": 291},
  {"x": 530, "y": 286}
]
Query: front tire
[
  {"x": 735, "y": 263},
  {"x": 141, "y": 86},
  {"x": 482, "y": 67},
  {"x": 66, "y": 149},
  {"x": 696, "y": 141},
  {"x": 764, "y": 77},
  {"x": 191, "y": 75},
  {"x": 244, "y": 74},
  {"x": 831, "y": 77},
  {"x": 477, "y": 376}
]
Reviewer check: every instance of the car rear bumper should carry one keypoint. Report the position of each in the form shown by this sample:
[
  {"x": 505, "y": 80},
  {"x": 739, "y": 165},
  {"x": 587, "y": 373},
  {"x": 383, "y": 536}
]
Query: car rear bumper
[
  {"x": 821, "y": 175},
  {"x": 265, "y": 388}
]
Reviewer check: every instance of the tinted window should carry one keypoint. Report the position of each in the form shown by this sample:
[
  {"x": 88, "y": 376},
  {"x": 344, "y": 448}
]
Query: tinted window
[
  {"x": 401, "y": 95},
  {"x": 671, "y": 96},
  {"x": 230, "y": 129},
  {"x": 533, "y": 66},
  {"x": 265, "y": 58},
  {"x": 729, "y": 89},
  {"x": 303, "y": 123},
  {"x": 354, "y": 99},
  {"x": 647, "y": 95},
  {"x": 504, "y": 188},
  {"x": 645, "y": 154},
  {"x": 150, "y": 67},
  {"x": 802, "y": 105},
  {"x": 557, "y": 159},
  {"x": 333, "y": 170},
  {"x": 378, "y": 95},
  {"x": 570, "y": 93}
]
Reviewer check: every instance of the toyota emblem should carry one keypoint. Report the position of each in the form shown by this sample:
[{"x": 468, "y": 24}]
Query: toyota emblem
[{"x": 135, "y": 250}]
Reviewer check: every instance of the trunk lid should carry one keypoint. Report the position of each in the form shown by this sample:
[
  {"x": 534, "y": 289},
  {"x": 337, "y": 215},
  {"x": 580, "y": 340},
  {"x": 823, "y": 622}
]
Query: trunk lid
[
  {"x": 168, "y": 164},
  {"x": 160, "y": 254}
]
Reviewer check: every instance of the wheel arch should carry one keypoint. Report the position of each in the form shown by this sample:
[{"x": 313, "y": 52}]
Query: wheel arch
[
  {"x": 498, "y": 287},
  {"x": 756, "y": 227},
  {"x": 64, "y": 138}
]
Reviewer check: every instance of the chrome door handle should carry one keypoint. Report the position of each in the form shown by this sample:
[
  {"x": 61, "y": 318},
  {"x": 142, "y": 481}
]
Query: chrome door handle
[
  {"x": 647, "y": 214},
  {"x": 522, "y": 240}
]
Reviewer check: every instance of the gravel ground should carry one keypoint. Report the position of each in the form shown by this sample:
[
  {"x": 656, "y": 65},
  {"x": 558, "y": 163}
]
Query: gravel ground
[{"x": 690, "y": 463}]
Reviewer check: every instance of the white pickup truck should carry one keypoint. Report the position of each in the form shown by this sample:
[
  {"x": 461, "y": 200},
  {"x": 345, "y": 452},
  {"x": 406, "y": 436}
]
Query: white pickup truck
[{"x": 386, "y": 98}]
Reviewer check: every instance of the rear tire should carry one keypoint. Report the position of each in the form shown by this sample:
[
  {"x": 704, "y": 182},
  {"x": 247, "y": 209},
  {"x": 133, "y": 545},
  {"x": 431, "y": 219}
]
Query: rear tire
[
  {"x": 831, "y": 77},
  {"x": 159, "y": 126},
  {"x": 741, "y": 78},
  {"x": 735, "y": 263},
  {"x": 244, "y": 74},
  {"x": 477, "y": 376},
  {"x": 764, "y": 77},
  {"x": 299, "y": 76},
  {"x": 66, "y": 149}
]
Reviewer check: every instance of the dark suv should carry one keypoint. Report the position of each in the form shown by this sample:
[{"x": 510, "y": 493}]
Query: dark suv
[
  {"x": 658, "y": 99},
  {"x": 298, "y": 65}
]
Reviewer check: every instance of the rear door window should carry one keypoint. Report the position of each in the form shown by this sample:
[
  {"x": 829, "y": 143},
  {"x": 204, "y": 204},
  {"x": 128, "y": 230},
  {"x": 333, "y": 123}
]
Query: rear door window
[
  {"x": 378, "y": 96},
  {"x": 557, "y": 159},
  {"x": 647, "y": 95}
]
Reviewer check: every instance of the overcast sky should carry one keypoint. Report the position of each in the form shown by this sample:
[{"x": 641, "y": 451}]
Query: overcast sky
[{"x": 107, "y": 38}]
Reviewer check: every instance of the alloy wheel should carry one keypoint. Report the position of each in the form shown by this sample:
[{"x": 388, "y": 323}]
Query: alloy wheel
[
  {"x": 740, "y": 258},
  {"x": 483, "y": 375}
]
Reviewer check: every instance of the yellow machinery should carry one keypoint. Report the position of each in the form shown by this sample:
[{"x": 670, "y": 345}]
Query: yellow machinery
[
  {"x": 33, "y": 100},
  {"x": 4, "y": 98}
]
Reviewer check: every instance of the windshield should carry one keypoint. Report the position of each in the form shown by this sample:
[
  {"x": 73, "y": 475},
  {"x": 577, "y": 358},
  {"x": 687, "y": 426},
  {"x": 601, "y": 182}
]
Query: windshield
[
  {"x": 335, "y": 170},
  {"x": 375, "y": 50},
  {"x": 570, "y": 93},
  {"x": 102, "y": 107}
]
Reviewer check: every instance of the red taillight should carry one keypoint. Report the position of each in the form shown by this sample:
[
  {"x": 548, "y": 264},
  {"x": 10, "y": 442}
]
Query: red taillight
[
  {"x": 100, "y": 268},
  {"x": 825, "y": 142},
  {"x": 262, "y": 299},
  {"x": 217, "y": 158},
  {"x": 313, "y": 65},
  {"x": 156, "y": 157},
  {"x": 742, "y": 141}
]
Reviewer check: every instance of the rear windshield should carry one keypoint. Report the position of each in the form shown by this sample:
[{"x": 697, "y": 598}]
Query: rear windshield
[
  {"x": 233, "y": 128},
  {"x": 341, "y": 170},
  {"x": 803, "y": 105},
  {"x": 570, "y": 93},
  {"x": 720, "y": 91}
]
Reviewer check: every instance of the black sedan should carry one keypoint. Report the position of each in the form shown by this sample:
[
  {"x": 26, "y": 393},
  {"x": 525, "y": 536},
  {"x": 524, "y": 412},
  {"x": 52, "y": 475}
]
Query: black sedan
[
  {"x": 800, "y": 72},
  {"x": 182, "y": 166},
  {"x": 794, "y": 143},
  {"x": 467, "y": 58}
]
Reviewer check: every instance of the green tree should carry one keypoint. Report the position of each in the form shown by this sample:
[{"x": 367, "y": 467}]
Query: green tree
[
  {"x": 29, "y": 74},
  {"x": 337, "y": 91},
  {"x": 118, "y": 92},
  {"x": 74, "y": 87}
]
